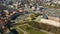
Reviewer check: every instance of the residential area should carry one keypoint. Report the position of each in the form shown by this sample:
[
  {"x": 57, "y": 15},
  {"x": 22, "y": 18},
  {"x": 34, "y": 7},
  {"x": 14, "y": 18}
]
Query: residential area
[{"x": 29, "y": 16}]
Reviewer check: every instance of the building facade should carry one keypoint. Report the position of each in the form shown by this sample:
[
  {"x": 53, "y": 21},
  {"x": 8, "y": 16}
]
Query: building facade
[{"x": 7, "y": 1}]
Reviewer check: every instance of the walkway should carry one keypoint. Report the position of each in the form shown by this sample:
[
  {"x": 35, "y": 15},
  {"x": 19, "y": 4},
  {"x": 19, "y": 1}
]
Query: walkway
[{"x": 21, "y": 30}]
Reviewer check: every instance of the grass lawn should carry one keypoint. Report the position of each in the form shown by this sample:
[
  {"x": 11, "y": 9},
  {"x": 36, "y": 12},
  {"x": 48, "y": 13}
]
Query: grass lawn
[
  {"x": 20, "y": 32},
  {"x": 31, "y": 30}
]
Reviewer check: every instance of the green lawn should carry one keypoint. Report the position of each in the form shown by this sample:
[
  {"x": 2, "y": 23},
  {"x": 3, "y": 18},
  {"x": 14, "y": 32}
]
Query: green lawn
[
  {"x": 31, "y": 30},
  {"x": 20, "y": 32}
]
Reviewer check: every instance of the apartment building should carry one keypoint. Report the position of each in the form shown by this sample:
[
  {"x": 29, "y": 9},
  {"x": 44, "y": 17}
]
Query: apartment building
[{"x": 7, "y": 1}]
